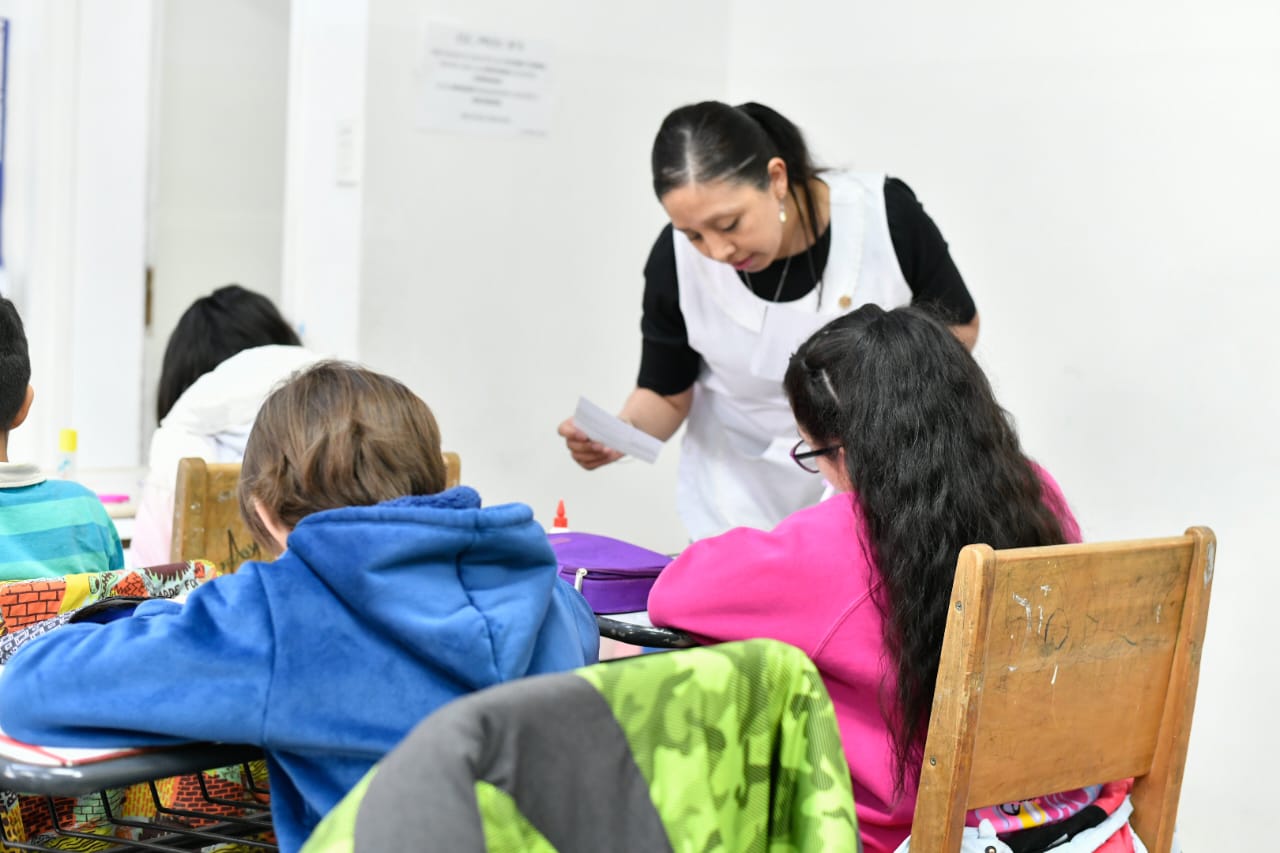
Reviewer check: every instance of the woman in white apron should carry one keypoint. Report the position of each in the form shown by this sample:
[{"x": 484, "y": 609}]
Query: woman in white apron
[{"x": 763, "y": 249}]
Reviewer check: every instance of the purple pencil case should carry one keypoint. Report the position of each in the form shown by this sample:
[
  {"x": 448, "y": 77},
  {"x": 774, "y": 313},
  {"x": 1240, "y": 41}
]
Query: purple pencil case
[{"x": 614, "y": 576}]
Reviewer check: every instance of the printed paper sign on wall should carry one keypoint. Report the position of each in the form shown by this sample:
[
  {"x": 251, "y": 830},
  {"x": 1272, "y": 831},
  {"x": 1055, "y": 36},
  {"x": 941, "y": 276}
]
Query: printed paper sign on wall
[{"x": 484, "y": 83}]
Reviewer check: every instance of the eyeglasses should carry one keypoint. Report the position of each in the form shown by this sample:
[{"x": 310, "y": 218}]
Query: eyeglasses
[{"x": 801, "y": 452}]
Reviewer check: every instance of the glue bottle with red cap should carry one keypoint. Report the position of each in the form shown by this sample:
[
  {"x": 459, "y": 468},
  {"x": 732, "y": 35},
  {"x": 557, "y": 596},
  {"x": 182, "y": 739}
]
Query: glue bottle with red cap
[{"x": 559, "y": 524}]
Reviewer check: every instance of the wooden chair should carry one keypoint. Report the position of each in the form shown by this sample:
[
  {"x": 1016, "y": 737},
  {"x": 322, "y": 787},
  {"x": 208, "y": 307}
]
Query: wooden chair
[
  {"x": 1062, "y": 667},
  {"x": 452, "y": 469},
  {"x": 206, "y": 516},
  {"x": 206, "y": 512}
]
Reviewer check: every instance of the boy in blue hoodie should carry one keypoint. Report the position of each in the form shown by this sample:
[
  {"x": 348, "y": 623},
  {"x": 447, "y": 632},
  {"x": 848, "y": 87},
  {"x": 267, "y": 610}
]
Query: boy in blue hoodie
[{"x": 390, "y": 598}]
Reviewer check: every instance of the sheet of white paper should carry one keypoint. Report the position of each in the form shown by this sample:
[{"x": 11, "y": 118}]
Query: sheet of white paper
[
  {"x": 612, "y": 432},
  {"x": 479, "y": 82},
  {"x": 58, "y": 756},
  {"x": 639, "y": 617}
]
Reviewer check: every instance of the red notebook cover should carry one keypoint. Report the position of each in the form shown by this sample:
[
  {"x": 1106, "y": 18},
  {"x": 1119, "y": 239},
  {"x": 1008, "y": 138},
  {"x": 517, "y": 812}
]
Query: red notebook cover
[{"x": 58, "y": 756}]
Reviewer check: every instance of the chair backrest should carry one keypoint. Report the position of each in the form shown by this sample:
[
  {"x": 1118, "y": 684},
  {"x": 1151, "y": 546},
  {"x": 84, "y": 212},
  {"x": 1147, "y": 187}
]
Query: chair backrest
[
  {"x": 1066, "y": 666},
  {"x": 452, "y": 469},
  {"x": 206, "y": 512},
  {"x": 729, "y": 747},
  {"x": 206, "y": 515}
]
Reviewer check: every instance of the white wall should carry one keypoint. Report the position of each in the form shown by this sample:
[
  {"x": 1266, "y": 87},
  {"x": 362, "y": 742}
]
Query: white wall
[
  {"x": 502, "y": 276},
  {"x": 75, "y": 219},
  {"x": 1104, "y": 173},
  {"x": 218, "y": 174},
  {"x": 138, "y": 130},
  {"x": 324, "y": 192},
  {"x": 39, "y": 151}
]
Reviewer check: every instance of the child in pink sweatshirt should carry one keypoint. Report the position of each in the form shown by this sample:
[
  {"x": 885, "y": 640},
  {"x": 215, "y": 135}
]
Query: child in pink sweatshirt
[{"x": 901, "y": 421}]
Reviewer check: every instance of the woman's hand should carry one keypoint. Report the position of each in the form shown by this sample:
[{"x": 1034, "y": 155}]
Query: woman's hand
[
  {"x": 658, "y": 415},
  {"x": 587, "y": 453}
]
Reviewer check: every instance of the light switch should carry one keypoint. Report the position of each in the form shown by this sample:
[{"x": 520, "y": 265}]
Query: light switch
[{"x": 347, "y": 153}]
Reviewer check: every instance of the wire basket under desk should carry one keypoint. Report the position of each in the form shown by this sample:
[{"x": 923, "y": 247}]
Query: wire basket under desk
[{"x": 135, "y": 804}]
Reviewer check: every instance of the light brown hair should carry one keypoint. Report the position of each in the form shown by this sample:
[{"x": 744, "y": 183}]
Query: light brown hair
[{"x": 337, "y": 435}]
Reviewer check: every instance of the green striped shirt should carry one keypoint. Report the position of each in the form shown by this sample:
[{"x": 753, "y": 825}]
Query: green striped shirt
[{"x": 54, "y": 528}]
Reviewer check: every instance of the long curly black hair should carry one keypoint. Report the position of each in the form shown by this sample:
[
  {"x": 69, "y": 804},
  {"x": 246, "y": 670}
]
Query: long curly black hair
[{"x": 935, "y": 464}]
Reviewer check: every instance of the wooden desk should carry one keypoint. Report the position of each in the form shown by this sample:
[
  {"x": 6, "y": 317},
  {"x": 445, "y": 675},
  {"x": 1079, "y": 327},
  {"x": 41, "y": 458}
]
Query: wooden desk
[
  {"x": 116, "y": 481},
  {"x": 637, "y": 630}
]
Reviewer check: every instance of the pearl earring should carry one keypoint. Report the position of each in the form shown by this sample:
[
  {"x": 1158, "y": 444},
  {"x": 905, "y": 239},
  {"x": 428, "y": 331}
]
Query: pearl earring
[{"x": 782, "y": 213}]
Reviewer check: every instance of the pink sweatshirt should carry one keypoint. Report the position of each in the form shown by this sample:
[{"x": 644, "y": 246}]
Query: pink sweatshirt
[{"x": 809, "y": 582}]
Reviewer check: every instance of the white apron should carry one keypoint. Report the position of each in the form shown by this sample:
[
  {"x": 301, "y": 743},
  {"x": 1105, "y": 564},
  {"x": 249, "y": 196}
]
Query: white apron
[{"x": 734, "y": 465}]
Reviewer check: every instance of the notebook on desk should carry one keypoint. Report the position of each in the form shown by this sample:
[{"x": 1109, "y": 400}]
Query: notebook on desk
[
  {"x": 58, "y": 756},
  {"x": 12, "y": 749}
]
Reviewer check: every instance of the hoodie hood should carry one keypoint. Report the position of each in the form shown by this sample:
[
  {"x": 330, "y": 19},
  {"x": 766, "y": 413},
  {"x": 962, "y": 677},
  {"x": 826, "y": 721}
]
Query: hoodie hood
[
  {"x": 227, "y": 398},
  {"x": 463, "y": 587}
]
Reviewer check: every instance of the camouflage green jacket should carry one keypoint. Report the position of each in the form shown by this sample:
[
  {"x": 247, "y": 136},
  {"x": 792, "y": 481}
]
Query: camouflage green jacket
[{"x": 731, "y": 747}]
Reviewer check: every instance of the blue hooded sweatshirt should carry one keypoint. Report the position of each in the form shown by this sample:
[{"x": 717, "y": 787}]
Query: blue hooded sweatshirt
[{"x": 374, "y": 617}]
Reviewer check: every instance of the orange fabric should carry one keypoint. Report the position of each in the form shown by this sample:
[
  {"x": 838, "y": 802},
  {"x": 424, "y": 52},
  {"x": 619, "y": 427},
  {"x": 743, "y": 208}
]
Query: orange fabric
[{"x": 24, "y": 603}]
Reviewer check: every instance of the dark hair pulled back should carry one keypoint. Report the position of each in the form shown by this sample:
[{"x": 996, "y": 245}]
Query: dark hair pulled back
[{"x": 713, "y": 141}]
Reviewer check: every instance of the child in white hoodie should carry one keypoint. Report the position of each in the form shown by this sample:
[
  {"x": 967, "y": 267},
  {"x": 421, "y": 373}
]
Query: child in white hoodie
[{"x": 227, "y": 352}]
